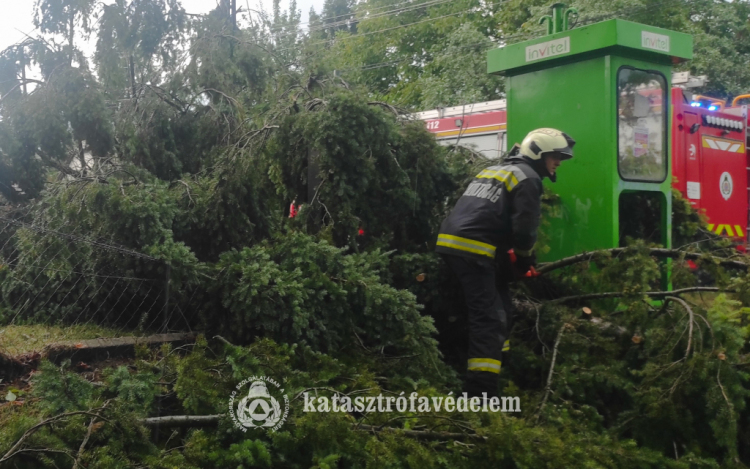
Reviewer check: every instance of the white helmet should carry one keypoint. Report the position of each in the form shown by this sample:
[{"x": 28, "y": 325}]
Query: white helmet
[{"x": 541, "y": 141}]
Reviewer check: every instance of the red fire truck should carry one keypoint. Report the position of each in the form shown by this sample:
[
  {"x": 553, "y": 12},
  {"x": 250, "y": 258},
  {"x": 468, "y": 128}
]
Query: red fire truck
[
  {"x": 710, "y": 161},
  {"x": 480, "y": 126}
]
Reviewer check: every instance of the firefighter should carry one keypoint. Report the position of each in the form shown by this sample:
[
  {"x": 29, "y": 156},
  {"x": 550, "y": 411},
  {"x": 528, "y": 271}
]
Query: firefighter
[{"x": 499, "y": 211}]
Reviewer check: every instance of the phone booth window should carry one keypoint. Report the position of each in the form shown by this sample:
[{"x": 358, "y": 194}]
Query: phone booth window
[{"x": 641, "y": 125}]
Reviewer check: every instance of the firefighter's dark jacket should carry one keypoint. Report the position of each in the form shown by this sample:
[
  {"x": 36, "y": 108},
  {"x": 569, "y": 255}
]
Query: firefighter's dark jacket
[{"x": 499, "y": 210}]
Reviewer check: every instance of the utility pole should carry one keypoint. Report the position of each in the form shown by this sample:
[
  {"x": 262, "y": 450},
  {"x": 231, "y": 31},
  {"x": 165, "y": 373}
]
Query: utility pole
[
  {"x": 233, "y": 13},
  {"x": 23, "y": 69}
]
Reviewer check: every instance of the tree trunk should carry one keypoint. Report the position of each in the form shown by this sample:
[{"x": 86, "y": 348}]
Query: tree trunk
[
  {"x": 82, "y": 159},
  {"x": 23, "y": 70},
  {"x": 71, "y": 33},
  {"x": 131, "y": 65},
  {"x": 233, "y": 13},
  {"x": 182, "y": 421}
]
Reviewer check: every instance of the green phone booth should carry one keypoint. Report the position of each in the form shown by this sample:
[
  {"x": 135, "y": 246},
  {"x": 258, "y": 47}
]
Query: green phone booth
[{"x": 608, "y": 86}]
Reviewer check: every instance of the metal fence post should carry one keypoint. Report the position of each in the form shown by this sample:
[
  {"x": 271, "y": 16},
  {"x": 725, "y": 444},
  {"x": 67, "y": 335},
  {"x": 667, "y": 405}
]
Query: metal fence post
[{"x": 165, "y": 325}]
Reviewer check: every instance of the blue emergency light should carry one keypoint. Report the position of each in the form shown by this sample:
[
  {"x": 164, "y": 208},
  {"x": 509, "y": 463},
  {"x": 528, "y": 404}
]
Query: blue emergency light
[{"x": 712, "y": 107}]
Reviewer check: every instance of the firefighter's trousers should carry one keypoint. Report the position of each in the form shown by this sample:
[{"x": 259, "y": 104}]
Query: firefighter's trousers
[{"x": 489, "y": 317}]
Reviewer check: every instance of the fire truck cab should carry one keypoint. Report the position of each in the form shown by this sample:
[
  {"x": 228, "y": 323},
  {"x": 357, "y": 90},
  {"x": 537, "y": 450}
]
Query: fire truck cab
[{"x": 709, "y": 161}]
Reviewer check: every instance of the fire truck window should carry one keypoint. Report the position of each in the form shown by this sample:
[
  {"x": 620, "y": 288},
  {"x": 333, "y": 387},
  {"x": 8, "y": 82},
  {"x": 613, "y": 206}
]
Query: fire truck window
[
  {"x": 488, "y": 145},
  {"x": 641, "y": 125}
]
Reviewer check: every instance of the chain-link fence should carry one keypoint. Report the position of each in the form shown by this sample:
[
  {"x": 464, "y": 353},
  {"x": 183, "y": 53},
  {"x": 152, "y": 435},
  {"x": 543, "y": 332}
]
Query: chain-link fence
[{"x": 56, "y": 276}]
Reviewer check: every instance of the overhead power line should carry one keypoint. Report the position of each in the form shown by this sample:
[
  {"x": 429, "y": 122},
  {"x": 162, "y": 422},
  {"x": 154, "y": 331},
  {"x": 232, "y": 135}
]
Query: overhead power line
[
  {"x": 371, "y": 11},
  {"x": 427, "y": 20},
  {"x": 384, "y": 14},
  {"x": 618, "y": 14}
]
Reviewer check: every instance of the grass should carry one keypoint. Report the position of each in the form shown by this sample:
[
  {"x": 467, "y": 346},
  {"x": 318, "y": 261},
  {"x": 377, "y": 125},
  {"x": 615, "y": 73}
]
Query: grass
[{"x": 17, "y": 340}]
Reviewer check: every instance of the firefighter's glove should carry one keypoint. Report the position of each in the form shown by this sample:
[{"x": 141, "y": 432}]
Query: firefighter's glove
[{"x": 524, "y": 264}]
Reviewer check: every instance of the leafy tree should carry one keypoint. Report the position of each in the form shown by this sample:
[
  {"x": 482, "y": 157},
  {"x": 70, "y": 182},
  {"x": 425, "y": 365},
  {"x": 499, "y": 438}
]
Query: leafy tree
[
  {"x": 137, "y": 42},
  {"x": 337, "y": 15},
  {"x": 457, "y": 73},
  {"x": 392, "y": 44},
  {"x": 65, "y": 18}
]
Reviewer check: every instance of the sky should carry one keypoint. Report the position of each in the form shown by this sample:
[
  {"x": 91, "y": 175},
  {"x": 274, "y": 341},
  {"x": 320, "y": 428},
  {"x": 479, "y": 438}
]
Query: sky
[{"x": 16, "y": 18}]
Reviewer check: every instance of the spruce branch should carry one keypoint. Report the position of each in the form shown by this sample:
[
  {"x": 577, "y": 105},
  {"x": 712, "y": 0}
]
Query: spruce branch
[
  {"x": 658, "y": 252},
  {"x": 212, "y": 420},
  {"x": 424, "y": 434},
  {"x": 691, "y": 319},
  {"x": 50, "y": 161},
  {"x": 461, "y": 424},
  {"x": 388, "y": 107},
  {"x": 21, "y": 83},
  {"x": 182, "y": 421},
  {"x": 536, "y": 328},
  {"x": 653, "y": 294},
  {"x": 16, "y": 448},
  {"x": 77, "y": 462},
  {"x": 548, "y": 387},
  {"x": 315, "y": 102},
  {"x": 718, "y": 380},
  {"x": 316, "y": 389},
  {"x": 38, "y": 450},
  {"x": 226, "y": 96},
  {"x": 162, "y": 95},
  {"x": 224, "y": 341}
]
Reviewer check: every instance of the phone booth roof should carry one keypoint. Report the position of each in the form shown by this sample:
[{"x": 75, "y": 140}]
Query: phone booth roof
[{"x": 612, "y": 37}]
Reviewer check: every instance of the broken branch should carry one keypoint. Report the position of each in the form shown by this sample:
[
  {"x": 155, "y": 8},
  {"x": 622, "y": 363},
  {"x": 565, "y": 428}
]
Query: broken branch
[
  {"x": 423, "y": 434},
  {"x": 211, "y": 420},
  {"x": 548, "y": 387},
  {"x": 16, "y": 448},
  {"x": 653, "y": 294},
  {"x": 691, "y": 318},
  {"x": 658, "y": 252}
]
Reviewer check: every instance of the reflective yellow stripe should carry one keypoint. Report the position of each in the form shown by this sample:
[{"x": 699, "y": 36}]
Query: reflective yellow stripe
[
  {"x": 465, "y": 244},
  {"x": 728, "y": 228},
  {"x": 487, "y": 128},
  {"x": 721, "y": 229},
  {"x": 485, "y": 364},
  {"x": 506, "y": 177},
  {"x": 506, "y": 346}
]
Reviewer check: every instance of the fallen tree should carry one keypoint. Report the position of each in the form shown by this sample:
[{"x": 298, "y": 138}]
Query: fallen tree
[{"x": 180, "y": 219}]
